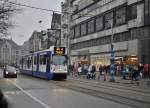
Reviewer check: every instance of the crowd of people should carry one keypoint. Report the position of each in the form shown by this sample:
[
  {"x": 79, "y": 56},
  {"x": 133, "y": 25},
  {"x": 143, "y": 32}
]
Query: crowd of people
[{"x": 125, "y": 71}]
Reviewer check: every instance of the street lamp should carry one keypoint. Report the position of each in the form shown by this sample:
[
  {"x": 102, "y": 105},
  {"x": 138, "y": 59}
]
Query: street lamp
[{"x": 112, "y": 58}]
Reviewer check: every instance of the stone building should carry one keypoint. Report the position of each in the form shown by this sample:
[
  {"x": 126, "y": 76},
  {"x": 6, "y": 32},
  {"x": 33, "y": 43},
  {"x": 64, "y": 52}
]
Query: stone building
[
  {"x": 35, "y": 41},
  {"x": 9, "y": 52},
  {"x": 65, "y": 22},
  {"x": 95, "y": 24},
  {"x": 56, "y": 28}
]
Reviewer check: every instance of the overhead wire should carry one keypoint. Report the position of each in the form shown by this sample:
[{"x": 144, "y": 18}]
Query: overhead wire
[
  {"x": 33, "y": 7},
  {"x": 50, "y": 10}
]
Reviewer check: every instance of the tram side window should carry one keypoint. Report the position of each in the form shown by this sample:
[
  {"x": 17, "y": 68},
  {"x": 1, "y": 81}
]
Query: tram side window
[
  {"x": 44, "y": 59},
  {"x": 35, "y": 60},
  {"x": 22, "y": 61},
  {"x": 25, "y": 62},
  {"x": 29, "y": 63},
  {"x": 41, "y": 59}
]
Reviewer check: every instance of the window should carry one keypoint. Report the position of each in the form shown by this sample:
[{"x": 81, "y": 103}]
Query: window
[
  {"x": 117, "y": 37},
  {"x": 83, "y": 29},
  {"x": 125, "y": 36},
  {"x": 35, "y": 59},
  {"x": 132, "y": 12},
  {"x": 99, "y": 23},
  {"x": 43, "y": 59},
  {"x": 29, "y": 62},
  {"x": 147, "y": 12},
  {"x": 120, "y": 16},
  {"x": 72, "y": 33},
  {"x": 107, "y": 39},
  {"x": 77, "y": 31},
  {"x": 108, "y": 20},
  {"x": 91, "y": 26}
]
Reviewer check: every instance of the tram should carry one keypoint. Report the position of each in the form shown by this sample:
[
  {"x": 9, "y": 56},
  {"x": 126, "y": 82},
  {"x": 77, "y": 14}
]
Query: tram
[{"x": 48, "y": 64}]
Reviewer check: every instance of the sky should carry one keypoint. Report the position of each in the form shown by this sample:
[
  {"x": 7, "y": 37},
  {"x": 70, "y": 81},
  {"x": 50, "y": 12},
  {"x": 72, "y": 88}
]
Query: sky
[{"x": 28, "y": 20}]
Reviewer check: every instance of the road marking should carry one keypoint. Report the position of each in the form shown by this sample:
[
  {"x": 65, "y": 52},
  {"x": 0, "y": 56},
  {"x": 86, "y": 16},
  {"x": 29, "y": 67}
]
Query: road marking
[{"x": 34, "y": 98}]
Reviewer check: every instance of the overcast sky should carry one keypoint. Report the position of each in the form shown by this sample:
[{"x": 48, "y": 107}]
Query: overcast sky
[{"x": 27, "y": 21}]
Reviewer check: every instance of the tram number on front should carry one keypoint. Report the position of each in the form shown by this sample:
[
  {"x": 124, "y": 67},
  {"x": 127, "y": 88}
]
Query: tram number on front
[{"x": 59, "y": 50}]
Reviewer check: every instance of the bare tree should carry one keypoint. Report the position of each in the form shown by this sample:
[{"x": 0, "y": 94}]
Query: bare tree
[{"x": 7, "y": 10}]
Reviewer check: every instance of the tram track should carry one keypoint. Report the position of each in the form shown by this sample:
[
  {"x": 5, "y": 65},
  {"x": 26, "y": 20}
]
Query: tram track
[
  {"x": 112, "y": 85},
  {"x": 136, "y": 99}
]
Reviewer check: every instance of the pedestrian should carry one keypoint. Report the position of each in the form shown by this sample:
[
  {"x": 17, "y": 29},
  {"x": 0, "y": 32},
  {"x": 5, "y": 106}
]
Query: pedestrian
[
  {"x": 140, "y": 70},
  {"x": 117, "y": 70},
  {"x": 85, "y": 69},
  {"x": 135, "y": 73},
  {"x": 71, "y": 70},
  {"x": 75, "y": 69},
  {"x": 146, "y": 71},
  {"x": 89, "y": 72},
  {"x": 123, "y": 71},
  {"x": 93, "y": 71},
  {"x": 100, "y": 69},
  {"x": 130, "y": 71},
  {"x": 79, "y": 70}
]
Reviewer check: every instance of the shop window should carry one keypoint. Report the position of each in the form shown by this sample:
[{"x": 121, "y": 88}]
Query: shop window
[
  {"x": 99, "y": 23},
  {"x": 77, "y": 31},
  {"x": 91, "y": 26},
  {"x": 132, "y": 12},
  {"x": 120, "y": 17},
  {"x": 108, "y": 20},
  {"x": 83, "y": 29}
]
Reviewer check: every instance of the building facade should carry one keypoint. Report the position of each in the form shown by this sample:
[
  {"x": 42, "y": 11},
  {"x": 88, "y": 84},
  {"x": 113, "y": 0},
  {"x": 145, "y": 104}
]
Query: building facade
[
  {"x": 95, "y": 24},
  {"x": 56, "y": 28},
  {"x": 35, "y": 41},
  {"x": 10, "y": 52},
  {"x": 65, "y": 7}
]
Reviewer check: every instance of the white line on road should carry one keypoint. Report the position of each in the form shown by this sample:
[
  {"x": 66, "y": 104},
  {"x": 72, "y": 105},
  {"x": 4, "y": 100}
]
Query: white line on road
[{"x": 34, "y": 98}]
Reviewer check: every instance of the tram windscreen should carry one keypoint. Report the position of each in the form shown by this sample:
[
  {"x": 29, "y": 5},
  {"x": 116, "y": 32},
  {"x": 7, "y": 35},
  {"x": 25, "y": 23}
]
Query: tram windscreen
[{"x": 59, "y": 60}]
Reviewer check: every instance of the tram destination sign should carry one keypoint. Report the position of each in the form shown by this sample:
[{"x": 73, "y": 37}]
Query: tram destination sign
[{"x": 59, "y": 50}]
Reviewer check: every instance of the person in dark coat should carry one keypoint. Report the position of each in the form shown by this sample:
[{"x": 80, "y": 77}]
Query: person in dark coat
[
  {"x": 100, "y": 69},
  {"x": 93, "y": 72}
]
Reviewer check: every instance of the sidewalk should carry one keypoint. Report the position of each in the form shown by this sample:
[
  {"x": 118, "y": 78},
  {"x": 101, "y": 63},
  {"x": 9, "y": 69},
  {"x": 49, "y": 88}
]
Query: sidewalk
[{"x": 141, "y": 82}]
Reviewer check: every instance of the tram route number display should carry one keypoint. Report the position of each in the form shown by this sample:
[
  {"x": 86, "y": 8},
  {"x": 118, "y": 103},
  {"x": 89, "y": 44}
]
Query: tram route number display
[{"x": 59, "y": 50}]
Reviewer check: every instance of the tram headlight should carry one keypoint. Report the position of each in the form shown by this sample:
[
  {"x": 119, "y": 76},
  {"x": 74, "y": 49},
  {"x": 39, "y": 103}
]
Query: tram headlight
[{"x": 6, "y": 72}]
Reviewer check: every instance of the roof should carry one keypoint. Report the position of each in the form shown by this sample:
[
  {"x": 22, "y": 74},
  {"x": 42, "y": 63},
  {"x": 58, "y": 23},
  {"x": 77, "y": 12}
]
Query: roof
[{"x": 11, "y": 42}]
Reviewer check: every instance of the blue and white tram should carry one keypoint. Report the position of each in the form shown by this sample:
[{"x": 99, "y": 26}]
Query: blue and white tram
[{"x": 47, "y": 64}]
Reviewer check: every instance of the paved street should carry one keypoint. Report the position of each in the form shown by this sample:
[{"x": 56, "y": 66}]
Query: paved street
[{"x": 28, "y": 92}]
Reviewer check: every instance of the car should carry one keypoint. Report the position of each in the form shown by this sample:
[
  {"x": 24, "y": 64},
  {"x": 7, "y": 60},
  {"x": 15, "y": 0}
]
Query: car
[{"x": 10, "y": 71}]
